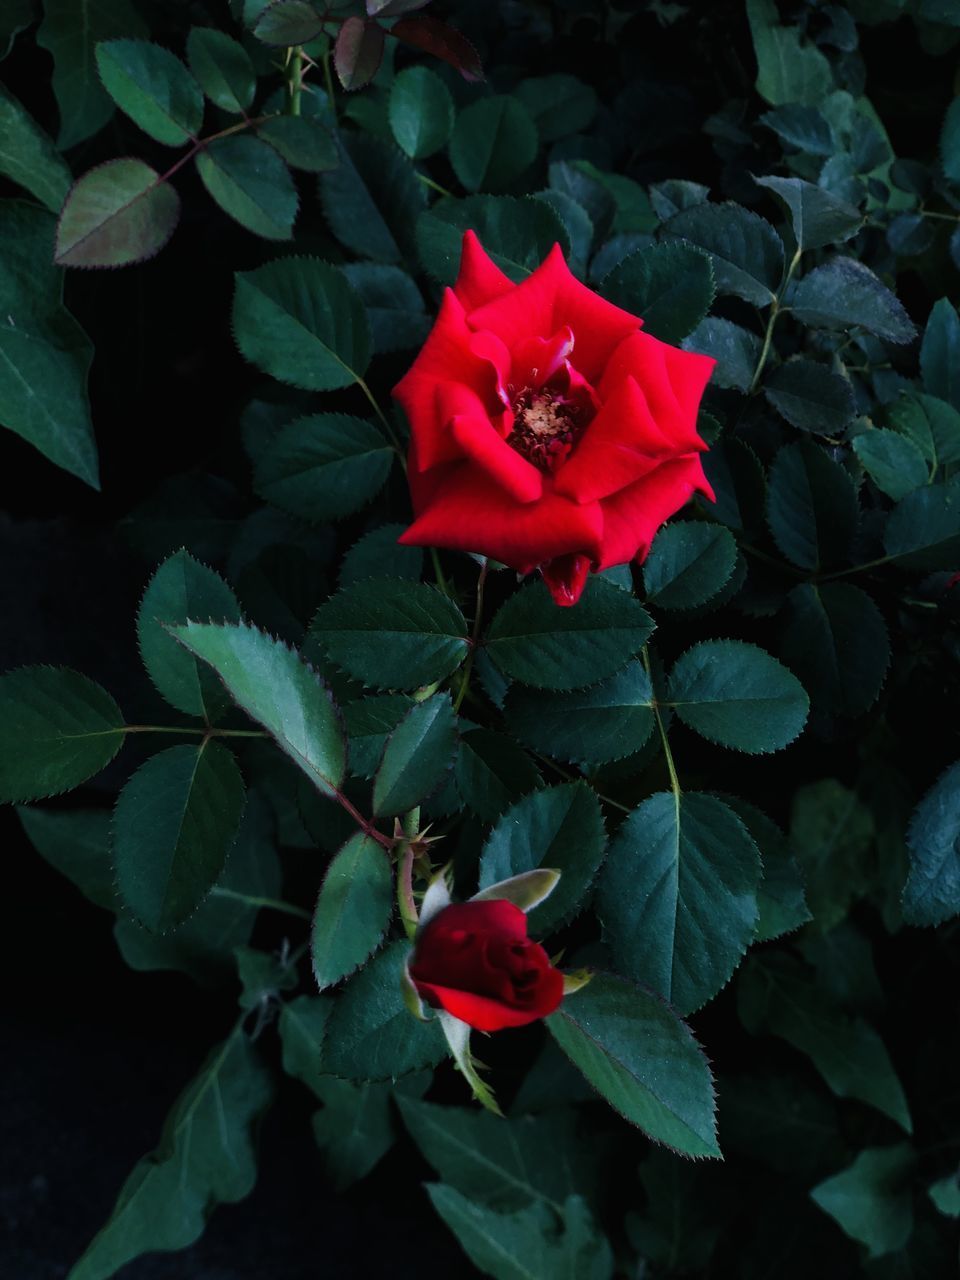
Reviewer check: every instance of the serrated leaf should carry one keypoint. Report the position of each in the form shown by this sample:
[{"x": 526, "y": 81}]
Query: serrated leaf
[
  {"x": 28, "y": 156},
  {"x": 118, "y": 213},
  {"x": 222, "y": 68},
  {"x": 811, "y": 397},
  {"x": 640, "y": 1057},
  {"x": 678, "y": 896},
  {"x": 589, "y": 726},
  {"x": 371, "y": 1035},
  {"x": 844, "y": 293},
  {"x": 801, "y": 126},
  {"x": 250, "y": 181},
  {"x": 372, "y": 199},
  {"x": 811, "y": 506},
  {"x": 392, "y": 635},
  {"x": 393, "y": 303},
  {"x": 299, "y": 320},
  {"x": 558, "y": 827},
  {"x": 950, "y": 142},
  {"x": 516, "y": 233},
  {"x": 835, "y": 639},
  {"x": 302, "y": 1026},
  {"x": 378, "y": 553},
  {"x": 420, "y": 112},
  {"x": 492, "y": 772},
  {"x": 493, "y": 142},
  {"x": 288, "y": 22},
  {"x": 206, "y": 1156},
  {"x": 173, "y": 826},
  {"x": 932, "y": 892},
  {"x": 324, "y": 467},
  {"x": 669, "y": 285},
  {"x": 831, "y": 830},
  {"x": 559, "y": 104},
  {"x": 533, "y": 641},
  {"x": 746, "y": 252},
  {"x": 352, "y": 911},
  {"x": 417, "y": 755},
  {"x": 183, "y": 588},
  {"x": 817, "y": 216},
  {"x": 689, "y": 562},
  {"x": 153, "y": 87},
  {"x": 303, "y": 142},
  {"x": 735, "y": 349},
  {"x": 782, "y": 906},
  {"x": 433, "y": 36},
  {"x": 357, "y": 52},
  {"x": 737, "y": 695},
  {"x": 354, "y": 1130},
  {"x": 57, "y": 730},
  {"x": 275, "y": 686},
  {"x": 789, "y": 68},
  {"x": 923, "y": 529},
  {"x": 940, "y": 353},
  {"x": 872, "y": 1200},
  {"x": 77, "y": 843}
]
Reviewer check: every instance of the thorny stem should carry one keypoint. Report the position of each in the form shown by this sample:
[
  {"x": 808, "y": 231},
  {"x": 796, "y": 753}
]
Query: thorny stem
[
  {"x": 294, "y": 79},
  {"x": 405, "y": 899},
  {"x": 474, "y": 637},
  {"x": 775, "y": 309}
]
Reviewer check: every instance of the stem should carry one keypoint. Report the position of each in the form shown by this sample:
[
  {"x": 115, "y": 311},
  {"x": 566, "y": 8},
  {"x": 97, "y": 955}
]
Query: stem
[
  {"x": 438, "y": 572},
  {"x": 201, "y": 143},
  {"x": 273, "y": 903},
  {"x": 365, "y": 824},
  {"x": 774, "y": 563},
  {"x": 434, "y": 186},
  {"x": 857, "y": 568},
  {"x": 775, "y": 307},
  {"x": 206, "y": 732},
  {"x": 576, "y": 777},
  {"x": 474, "y": 637},
  {"x": 294, "y": 79},
  {"x": 405, "y": 899},
  {"x": 383, "y": 419},
  {"x": 671, "y": 767}
]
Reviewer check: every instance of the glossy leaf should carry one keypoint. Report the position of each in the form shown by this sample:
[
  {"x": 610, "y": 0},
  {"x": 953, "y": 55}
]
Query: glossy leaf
[
  {"x": 516, "y": 233},
  {"x": 789, "y": 68},
  {"x": 324, "y": 467},
  {"x": 923, "y": 530},
  {"x": 782, "y": 905},
  {"x": 250, "y": 181},
  {"x": 434, "y": 36},
  {"x": 393, "y": 303},
  {"x": 352, "y": 911},
  {"x": 357, "y": 52},
  {"x": 689, "y": 562},
  {"x": 28, "y": 156},
  {"x": 932, "y": 892},
  {"x": 835, "y": 639},
  {"x": 421, "y": 112},
  {"x": 872, "y": 1200},
  {"x": 746, "y": 252},
  {"x": 818, "y": 218},
  {"x": 378, "y": 553},
  {"x": 811, "y": 397},
  {"x": 811, "y": 506},
  {"x": 372, "y": 199},
  {"x": 116, "y": 214},
  {"x": 222, "y": 68},
  {"x": 735, "y": 349},
  {"x": 302, "y": 1025},
  {"x": 493, "y": 142},
  {"x": 288, "y": 22},
  {"x": 492, "y": 772},
  {"x": 844, "y": 293},
  {"x": 940, "y": 353},
  {"x": 669, "y": 285},
  {"x": 303, "y": 142},
  {"x": 77, "y": 843},
  {"x": 417, "y": 755},
  {"x": 153, "y": 87},
  {"x": 559, "y": 104}
]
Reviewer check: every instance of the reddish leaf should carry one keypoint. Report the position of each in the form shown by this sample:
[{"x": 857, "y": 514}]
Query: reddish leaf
[
  {"x": 118, "y": 213},
  {"x": 357, "y": 52},
  {"x": 436, "y": 37}
]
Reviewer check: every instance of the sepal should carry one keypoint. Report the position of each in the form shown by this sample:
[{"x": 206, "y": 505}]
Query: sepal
[
  {"x": 525, "y": 891},
  {"x": 458, "y": 1040}
]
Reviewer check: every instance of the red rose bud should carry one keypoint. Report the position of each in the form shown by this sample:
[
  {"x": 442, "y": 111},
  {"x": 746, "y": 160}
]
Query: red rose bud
[
  {"x": 474, "y": 960},
  {"x": 548, "y": 431}
]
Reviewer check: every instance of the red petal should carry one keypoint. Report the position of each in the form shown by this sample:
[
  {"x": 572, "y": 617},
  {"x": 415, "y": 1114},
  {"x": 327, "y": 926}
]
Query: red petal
[
  {"x": 672, "y": 381},
  {"x": 566, "y": 576},
  {"x": 460, "y": 508},
  {"x": 480, "y": 280},
  {"x": 481, "y": 443},
  {"x": 484, "y": 1013},
  {"x": 492, "y": 915},
  {"x": 538, "y": 359},
  {"x": 633, "y": 516}
]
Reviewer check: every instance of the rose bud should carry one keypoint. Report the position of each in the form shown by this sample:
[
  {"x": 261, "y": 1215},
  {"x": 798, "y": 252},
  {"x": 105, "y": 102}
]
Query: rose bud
[
  {"x": 547, "y": 430},
  {"x": 474, "y": 960}
]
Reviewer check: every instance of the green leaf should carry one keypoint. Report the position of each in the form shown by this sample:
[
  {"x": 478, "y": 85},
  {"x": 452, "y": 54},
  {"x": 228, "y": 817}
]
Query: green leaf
[
  {"x": 299, "y": 320},
  {"x": 737, "y": 695},
  {"x": 892, "y": 461},
  {"x": 492, "y": 772},
  {"x": 746, "y": 252},
  {"x": 250, "y": 181},
  {"x": 393, "y": 303},
  {"x": 835, "y": 639},
  {"x": 371, "y": 1034},
  {"x": 288, "y": 22},
  {"x": 669, "y": 285},
  {"x": 803, "y": 127},
  {"x": 183, "y": 588},
  {"x": 355, "y": 1129},
  {"x": 28, "y": 156},
  {"x": 516, "y": 233},
  {"x": 303, "y": 142},
  {"x": 153, "y": 87},
  {"x": 735, "y": 349},
  {"x": 70, "y": 32},
  {"x": 558, "y": 104},
  {"x": 525, "y": 1245},
  {"x": 274, "y": 686},
  {"x": 847, "y": 1052},
  {"x": 932, "y": 891},
  {"x": 831, "y": 831},
  {"x": 780, "y": 897},
  {"x": 263, "y": 976},
  {"x": 420, "y": 112},
  {"x": 811, "y": 506},
  {"x": 923, "y": 530},
  {"x": 353, "y": 909},
  {"x": 57, "y": 730},
  {"x": 789, "y": 68},
  {"x": 940, "y": 353},
  {"x": 222, "y": 68},
  {"x": 372, "y": 199},
  {"x": 818, "y": 217},
  {"x": 324, "y": 467},
  {"x": 945, "y": 1194},
  {"x": 417, "y": 756},
  {"x": 950, "y": 141},
  {"x": 392, "y": 635},
  {"x": 118, "y": 213},
  {"x": 932, "y": 424},
  {"x": 559, "y": 827},
  {"x": 77, "y": 843},
  {"x": 689, "y": 562},
  {"x": 811, "y": 397},
  {"x": 173, "y": 826},
  {"x": 379, "y": 553},
  {"x": 44, "y": 354},
  {"x": 678, "y": 896},
  {"x": 303, "y": 1023},
  {"x": 493, "y": 142},
  {"x": 642, "y": 1059},
  {"x": 871, "y": 1200},
  {"x": 578, "y": 227},
  {"x": 206, "y": 1157},
  {"x": 533, "y": 641},
  {"x": 369, "y": 722},
  {"x": 604, "y": 722},
  {"x": 844, "y": 293}
]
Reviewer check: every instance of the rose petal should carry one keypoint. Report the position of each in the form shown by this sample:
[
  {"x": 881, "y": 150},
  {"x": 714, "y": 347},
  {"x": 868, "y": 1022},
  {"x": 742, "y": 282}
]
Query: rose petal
[
  {"x": 486, "y": 1014},
  {"x": 479, "y": 280},
  {"x": 481, "y": 443},
  {"x": 538, "y": 359},
  {"x": 633, "y": 516},
  {"x": 672, "y": 381}
]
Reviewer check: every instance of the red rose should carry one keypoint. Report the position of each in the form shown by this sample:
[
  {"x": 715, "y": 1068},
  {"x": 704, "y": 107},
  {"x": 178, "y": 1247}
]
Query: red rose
[
  {"x": 547, "y": 431},
  {"x": 474, "y": 959}
]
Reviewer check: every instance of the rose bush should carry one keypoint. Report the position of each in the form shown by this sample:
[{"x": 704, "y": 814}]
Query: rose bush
[
  {"x": 474, "y": 960},
  {"x": 547, "y": 429}
]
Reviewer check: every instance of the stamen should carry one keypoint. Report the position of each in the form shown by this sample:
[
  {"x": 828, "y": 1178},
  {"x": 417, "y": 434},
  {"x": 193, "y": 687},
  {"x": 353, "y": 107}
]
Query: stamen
[{"x": 546, "y": 428}]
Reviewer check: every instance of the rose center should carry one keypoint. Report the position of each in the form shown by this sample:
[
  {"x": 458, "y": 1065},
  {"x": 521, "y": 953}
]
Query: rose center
[{"x": 546, "y": 428}]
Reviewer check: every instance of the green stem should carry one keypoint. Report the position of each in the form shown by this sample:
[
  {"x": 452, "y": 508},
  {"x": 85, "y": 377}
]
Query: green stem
[
  {"x": 576, "y": 777},
  {"x": 474, "y": 637},
  {"x": 434, "y": 186},
  {"x": 668, "y": 754},
  {"x": 772, "y": 561},
  {"x": 438, "y": 571},
  {"x": 190, "y": 730},
  {"x": 384, "y": 420},
  {"x": 273, "y": 903},
  {"x": 775, "y": 308},
  {"x": 405, "y": 900},
  {"x": 294, "y": 80},
  {"x": 857, "y": 568}
]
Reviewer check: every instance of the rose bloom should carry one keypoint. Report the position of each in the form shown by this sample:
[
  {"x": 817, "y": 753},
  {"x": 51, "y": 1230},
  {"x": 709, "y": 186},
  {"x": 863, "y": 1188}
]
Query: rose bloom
[
  {"x": 474, "y": 960},
  {"x": 547, "y": 430}
]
